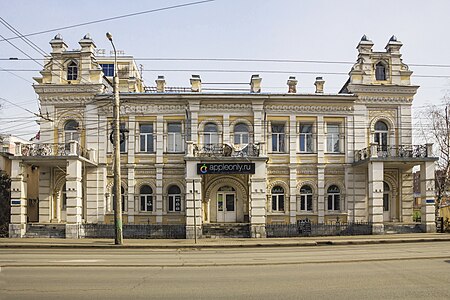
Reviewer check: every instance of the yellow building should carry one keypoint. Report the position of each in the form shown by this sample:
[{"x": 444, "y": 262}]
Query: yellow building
[{"x": 200, "y": 159}]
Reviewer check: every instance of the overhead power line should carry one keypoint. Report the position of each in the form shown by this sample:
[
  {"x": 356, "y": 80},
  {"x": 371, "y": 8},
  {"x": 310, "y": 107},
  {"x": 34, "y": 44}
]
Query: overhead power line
[{"x": 110, "y": 19}]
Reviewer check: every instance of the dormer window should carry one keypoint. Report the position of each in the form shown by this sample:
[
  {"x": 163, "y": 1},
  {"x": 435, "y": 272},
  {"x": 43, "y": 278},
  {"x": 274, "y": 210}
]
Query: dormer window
[
  {"x": 72, "y": 71},
  {"x": 380, "y": 71}
]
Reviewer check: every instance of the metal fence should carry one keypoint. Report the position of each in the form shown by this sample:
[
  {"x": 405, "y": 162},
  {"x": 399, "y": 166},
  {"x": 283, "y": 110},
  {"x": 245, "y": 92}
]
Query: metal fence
[
  {"x": 136, "y": 231},
  {"x": 311, "y": 229}
]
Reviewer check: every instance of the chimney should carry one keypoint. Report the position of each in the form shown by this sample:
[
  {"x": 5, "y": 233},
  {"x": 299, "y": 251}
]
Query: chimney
[
  {"x": 319, "y": 85},
  {"x": 160, "y": 84},
  {"x": 255, "y": 84},
  {"x": 58, "y": 45},
  {"x": 196, "y": 83},
  {"x": 292, "y": 84}
]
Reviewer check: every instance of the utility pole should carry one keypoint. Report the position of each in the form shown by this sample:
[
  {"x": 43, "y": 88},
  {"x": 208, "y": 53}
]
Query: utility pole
[{"x": 118, "y": 240}]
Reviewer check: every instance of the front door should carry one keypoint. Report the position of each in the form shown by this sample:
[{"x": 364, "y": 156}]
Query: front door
[{"x": 226, "y": 207}]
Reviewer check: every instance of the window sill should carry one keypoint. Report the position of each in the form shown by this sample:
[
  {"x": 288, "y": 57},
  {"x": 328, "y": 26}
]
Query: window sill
[
  {"x": 175, "y": 153},
  {"x": 306, "y": 153},
  {"x": 334, "y": 153}
]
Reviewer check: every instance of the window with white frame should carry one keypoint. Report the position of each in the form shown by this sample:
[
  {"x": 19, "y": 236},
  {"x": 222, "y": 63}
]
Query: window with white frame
[
  {"x": 210, "y": 134},
  {"x": 146, "y": 138},
  {"x": 278, "y": 137},
  {"x": 333, "y": 138},
  {"x": 306, "y": 198},
  {"x": 174, "y": 137},
  {"x": 108, "y": 69},
  {"x": 174, "y": 198},
  {"x": 334, "y": 198},
  {"x": 241, "y": 134},
  {"x": 277, "y": 198},
  {"x": 146, "y": 196},
  {"x": 72, "y": 71},
  {"x": 306, "y": 137},
  {"x": 71, "y": 133},
  {"x": 381, "y": 135}
]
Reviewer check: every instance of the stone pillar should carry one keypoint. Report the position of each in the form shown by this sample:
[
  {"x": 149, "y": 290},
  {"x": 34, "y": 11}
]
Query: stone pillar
[
  {"x": 320, "y": 194},
  {"x": 292, "y": 169},
  {"x": 74, "y": 198},
  {"x": 45, "y": 195},
  {"x": 17, "y": 227},
  {"x": 193, "y": 199},
  {"x": 227, "y": 139},
  {"x": 376, "y": 174},
  {"x": 132, "y": 209},
  {"x": 427, "y": 186},
  {"x": 159, "y": 168},
  {"x": 258, "y": 200}
]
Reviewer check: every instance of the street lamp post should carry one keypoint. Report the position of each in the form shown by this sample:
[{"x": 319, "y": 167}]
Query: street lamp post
[{"x": 118, "y": 240}]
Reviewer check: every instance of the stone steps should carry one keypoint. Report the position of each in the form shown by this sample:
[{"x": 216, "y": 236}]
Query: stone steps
[{"x": 226, "y": 230}]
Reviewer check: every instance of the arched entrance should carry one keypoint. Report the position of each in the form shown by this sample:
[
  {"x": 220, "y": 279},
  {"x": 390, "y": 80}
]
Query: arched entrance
[{"x": 226, "y": 200}]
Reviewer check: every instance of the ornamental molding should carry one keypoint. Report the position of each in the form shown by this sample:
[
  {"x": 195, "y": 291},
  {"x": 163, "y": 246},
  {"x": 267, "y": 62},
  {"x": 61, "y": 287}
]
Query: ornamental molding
[
  {"x": 61, "y": 89},
  {"x": 334, "y": 172},
  {"x": 303, "y": 171},
  {"x": 226, "y": 107},
  {"x": 145, "y": 172},
  {"x": 66, "y": 99},
  {"x": 138, "y": 109},
  {"x": 309, "y": 108},
  {"x": 385, "y": 100},
  {"x": 278, "y": 172}
]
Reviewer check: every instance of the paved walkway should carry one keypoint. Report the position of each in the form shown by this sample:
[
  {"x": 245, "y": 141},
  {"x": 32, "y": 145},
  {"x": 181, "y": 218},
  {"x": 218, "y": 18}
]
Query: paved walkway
[{"x": 223, "y": 243}]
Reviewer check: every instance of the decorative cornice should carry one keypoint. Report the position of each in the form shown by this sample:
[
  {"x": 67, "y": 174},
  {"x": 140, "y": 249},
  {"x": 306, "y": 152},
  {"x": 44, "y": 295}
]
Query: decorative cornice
[
  {"x": 66, "y": 99},
  {"x": 137, "y": 109},
  {"x": 309, "y": 108},
  {"x": 278, "y": 172},
  {"x": 226, "y": 107},
  {"x": 303, "y": 171},
  {"x": 385, "y": 100},
  {"x": 61, "y": 89}
]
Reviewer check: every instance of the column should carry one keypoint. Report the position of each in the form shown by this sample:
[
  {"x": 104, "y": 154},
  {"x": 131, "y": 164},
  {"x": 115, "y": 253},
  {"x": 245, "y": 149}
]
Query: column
[
  {"x": 258, "y": 201},
  {"x": 376, "y": 174},
  {"x": 428, "y": 209},
  {"x": 17, "y": 227},
  {"x": 132, "y": 209},
  {"x": 45, "y": 195},
  {"x": 292, "y": 169},
  {"x": 74, "y": 198},
  {"x": 320, "y": 194},
  {"x": 226, "y": 129},
  {"x": 159, "y": 167},
  {"x": 193, "y": 201}
]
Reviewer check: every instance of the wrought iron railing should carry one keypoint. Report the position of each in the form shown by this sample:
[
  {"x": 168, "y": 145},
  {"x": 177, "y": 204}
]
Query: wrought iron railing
[
  {"x": 52, "y": 149},
  {"x": 401, "y": 151},
  {"x": 226, "y": 150}
]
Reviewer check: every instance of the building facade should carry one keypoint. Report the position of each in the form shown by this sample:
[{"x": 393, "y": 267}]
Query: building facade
[{"x": 194, "y": 157}]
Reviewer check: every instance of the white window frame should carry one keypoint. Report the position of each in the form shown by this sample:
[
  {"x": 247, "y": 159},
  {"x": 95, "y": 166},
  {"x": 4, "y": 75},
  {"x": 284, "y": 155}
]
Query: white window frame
[
  {"x": 172, "y": 198},
  {"x": 172, "y": 138},
  {"x": 145, "y": 198},
  {"x": 276, "y": 199},
  {"x": 241, "y": 135},
  {"x": 304, "y": 198},
  {"x": 280, "y": 137},
  {"x": 333, "y": 196},
  {"x": 72, "y": 70},
  {"x": 144, "y": 135},
  {"x": 307, "y": 136},
  {"x": 334, "y": 138}
]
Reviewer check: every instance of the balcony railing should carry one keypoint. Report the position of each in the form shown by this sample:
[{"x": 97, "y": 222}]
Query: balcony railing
[
  {"x": 225, "y": 150},
  {"x": 52, "y": 149},
  {"x": 400, "y": 151}
]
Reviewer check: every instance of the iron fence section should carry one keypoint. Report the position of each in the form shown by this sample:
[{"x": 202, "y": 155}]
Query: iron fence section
[
  {"x": 302, "y": 229},
  {"x": 144, "y": 231}
]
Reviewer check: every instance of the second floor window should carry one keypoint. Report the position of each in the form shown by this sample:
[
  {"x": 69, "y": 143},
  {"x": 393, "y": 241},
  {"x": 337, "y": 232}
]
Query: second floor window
[
  {"x": 333, "y": 142},
  {"x": 71, "y": 131},
  {"x": 241, "y": 135},
  {"x": 123, "y": 140},
  {"x": 306, "y": 138},
  {"x": 72, "y": 71},
  {"x": 381, "y": 135},
  {"x": 174, "y": 137},
  {"x": 146, "y": 138},
  {"x": 210, "y": 134},
  {"x": 108, "y": 69},
  {"x": 380, "y": 71},
  {"x": 278, "y": 138}
]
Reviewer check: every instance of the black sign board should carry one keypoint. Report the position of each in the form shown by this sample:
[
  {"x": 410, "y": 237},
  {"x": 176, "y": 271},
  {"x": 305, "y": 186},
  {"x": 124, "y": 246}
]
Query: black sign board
[{"x": 226, "y": 168}]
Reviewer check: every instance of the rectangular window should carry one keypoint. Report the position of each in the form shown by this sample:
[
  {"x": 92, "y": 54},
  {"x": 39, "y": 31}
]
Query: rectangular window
[
  {"x": 174, "y": 203},
  {"x": 123, "y": 140},
  {"x": 277, "y": 202},
  {"x": 174, "y": 137},
  {"x": 334, "y": 202},
  {"x": 306, "y": 138},
  {"x": 108, "y": 69},
  {"x": 146, "y": 138},
  {"x": 146, "y": 203},
  {"x": 278, "y": 138},
  {"x": 333, "y": 142},
  {"x": 306, "y": 202}
]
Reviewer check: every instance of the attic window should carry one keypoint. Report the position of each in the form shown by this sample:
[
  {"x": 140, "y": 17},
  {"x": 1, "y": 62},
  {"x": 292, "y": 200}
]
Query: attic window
[
  {"x": 380, "y": 71},
  {"x": 72, "y": 71}
]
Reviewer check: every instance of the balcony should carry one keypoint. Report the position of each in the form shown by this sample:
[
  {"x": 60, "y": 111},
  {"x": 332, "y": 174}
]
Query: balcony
[
  {"x": 224, "y": 150},
  {"x": 72, "y": 148},
  {"x": 400, "y": 152}
]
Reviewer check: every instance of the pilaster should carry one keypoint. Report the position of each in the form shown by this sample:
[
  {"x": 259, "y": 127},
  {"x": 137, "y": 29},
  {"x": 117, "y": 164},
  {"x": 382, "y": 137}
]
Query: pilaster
[
  {"x": 376, "y": 176},
  {"x": 17, "y": 227},
  {"x": 74, "y": 198},
  {"x": 320, "y": 194},
  {"x": 427, "y": 186},
  {"x": 258, "y": 201},
  {"x": 193, "y": 201},
  {"x": 292, "y": 169}
]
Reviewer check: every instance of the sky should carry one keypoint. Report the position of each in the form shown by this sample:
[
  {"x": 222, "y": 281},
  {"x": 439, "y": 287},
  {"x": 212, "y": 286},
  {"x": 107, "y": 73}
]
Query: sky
[{"x": 306, "y": 30}]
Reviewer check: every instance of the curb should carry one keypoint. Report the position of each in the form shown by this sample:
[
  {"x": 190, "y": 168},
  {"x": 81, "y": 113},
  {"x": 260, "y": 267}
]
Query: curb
[{"x": 211, "y": 246}]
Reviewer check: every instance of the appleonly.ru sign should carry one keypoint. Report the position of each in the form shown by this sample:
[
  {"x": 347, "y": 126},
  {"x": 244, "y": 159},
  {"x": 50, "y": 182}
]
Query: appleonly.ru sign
[{"x": 226, "y": 168}]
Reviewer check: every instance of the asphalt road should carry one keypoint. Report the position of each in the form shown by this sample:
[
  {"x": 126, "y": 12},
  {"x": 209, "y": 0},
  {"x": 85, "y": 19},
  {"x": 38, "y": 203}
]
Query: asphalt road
[{"x": 394, "y": 271}]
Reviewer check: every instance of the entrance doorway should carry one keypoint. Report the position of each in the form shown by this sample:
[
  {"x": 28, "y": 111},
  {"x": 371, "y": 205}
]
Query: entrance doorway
[
  {"x": 226, "y": 205},
  {"x": 386, "y": 202}
]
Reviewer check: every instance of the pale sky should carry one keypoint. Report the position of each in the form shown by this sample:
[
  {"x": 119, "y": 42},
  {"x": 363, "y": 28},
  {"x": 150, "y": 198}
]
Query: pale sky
[{"x": 308, "y": 30}]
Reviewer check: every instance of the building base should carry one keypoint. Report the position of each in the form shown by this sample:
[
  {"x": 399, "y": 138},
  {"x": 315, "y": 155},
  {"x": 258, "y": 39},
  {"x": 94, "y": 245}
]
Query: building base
[
  {"x": 74, "y": 231},
  {"x": 17, "y": 230},
  {"x": 258, "y": 231},
  {"x": 377, "y": 228},
  {"x": 190, "y": 232}
]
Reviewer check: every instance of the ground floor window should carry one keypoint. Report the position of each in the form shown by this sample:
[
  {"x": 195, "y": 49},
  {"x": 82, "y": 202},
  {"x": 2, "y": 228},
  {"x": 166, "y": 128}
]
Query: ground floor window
[
  {"x": 146, "y": 195},
  {"x": 306, "y": 198},
  {"x": 277, "y": 198},
  {"x": 386, "y": 191},
  {"x": 334, "y": 198},
  {"x": 174, "y": 198}
]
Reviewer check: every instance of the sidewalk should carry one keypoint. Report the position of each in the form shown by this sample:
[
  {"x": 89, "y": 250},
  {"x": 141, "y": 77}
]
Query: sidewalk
[{"x": 223, "y": 243}]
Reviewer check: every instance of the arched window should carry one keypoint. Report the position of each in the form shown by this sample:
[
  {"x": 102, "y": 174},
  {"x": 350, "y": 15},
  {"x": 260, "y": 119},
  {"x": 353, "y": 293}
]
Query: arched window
[
  {"x": 380, "y": 71},
  {"x": 334, "y": 198},
  {"x": 381, "y": 135},
  {"x": 146, "y": 195},
  {"x": 122, "y": 196},
  {"x": 174, "y": 198},
  {"x": 72, "y": 71},
  {"x": 386, "y": 191},
  {"x": 277, "y": 198},
  {"x": 306, "y": 198},
  {"x": 71, "y": 131},
  {"x": 210, "y": 134},
  {"x": 241, "y": 135}
]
